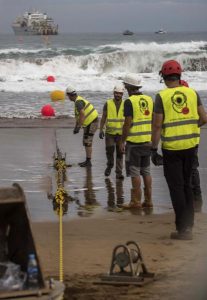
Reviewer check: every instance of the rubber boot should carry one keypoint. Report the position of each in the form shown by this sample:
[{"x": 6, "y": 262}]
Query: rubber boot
[
  {"x": 86, "y": 163},
  {"x": 135, "y": 202},
  {"x": 147, "y": 201}
]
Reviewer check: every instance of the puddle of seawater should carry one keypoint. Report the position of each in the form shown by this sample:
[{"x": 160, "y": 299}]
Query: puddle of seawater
[{"x": 26, "y": 157}]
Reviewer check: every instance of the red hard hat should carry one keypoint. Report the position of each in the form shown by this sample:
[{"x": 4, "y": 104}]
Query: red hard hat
[
  {"x": 171, "y": 67},
  {"x": 183, "y": 82}
]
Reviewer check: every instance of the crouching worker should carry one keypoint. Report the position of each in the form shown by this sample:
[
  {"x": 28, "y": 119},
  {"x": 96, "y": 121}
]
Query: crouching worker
[
  {"x": 87, "y": 117},
  {"x": 138, "y": 110},
  {"x": 113, "y": 117}
]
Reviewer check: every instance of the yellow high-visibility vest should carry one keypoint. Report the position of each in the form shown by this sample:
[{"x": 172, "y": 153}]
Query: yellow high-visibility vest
[
  {"x": 180, "y": 127},
  {"x": 141, "y": 127},
  {"x": 90, "y": 113},
  {"x": 114, "y": 121}
]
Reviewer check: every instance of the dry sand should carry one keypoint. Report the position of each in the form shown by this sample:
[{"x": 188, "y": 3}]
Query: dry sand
[{"x": 180, "y": 266}]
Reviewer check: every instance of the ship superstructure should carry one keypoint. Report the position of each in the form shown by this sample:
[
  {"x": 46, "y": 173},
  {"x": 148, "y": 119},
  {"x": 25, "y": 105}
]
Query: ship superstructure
[{"x": 35, "y": 23}]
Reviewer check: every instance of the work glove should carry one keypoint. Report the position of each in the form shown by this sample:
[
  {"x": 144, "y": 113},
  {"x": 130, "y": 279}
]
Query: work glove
[
  {"x": 156, "y": 158},
  {"x": 76, "y": 130},
  {"x": 101, "y": 134}
]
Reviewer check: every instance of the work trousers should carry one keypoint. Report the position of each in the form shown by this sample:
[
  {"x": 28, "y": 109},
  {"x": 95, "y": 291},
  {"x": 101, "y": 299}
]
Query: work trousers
[
  {"x": 112, "y": 144},
  {"x": 178, "y": 167},
  {"x": 195, "y": 180}
]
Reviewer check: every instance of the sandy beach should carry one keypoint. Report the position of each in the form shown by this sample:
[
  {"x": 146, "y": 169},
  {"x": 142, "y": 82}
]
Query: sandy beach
[{"x": 179, "y": 266}]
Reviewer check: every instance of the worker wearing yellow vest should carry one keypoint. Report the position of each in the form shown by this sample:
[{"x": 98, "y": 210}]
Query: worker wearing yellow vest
[
  {"x": 138, "y": 109},
  {"x": 113, "y": 119},
  {"x": 87, "y": 117},
  {"x": 178, "y": 114}
]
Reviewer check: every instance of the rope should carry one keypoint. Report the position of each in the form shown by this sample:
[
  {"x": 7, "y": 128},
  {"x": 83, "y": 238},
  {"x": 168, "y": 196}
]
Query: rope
[
  {"x": 61, "y": 198},
  {"x": 61, "y": 243},
  {"x": 60, "y": 166}
]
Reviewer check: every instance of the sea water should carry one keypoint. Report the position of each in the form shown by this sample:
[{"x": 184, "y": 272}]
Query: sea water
[{"x": 93, "y": 64}]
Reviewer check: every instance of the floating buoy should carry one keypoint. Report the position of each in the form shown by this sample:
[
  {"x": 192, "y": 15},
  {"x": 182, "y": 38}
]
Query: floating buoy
[
  {"x": 57, "y": 95},
  {"x": 48, "y": 111},
  {"x": 50, "y": 78}
]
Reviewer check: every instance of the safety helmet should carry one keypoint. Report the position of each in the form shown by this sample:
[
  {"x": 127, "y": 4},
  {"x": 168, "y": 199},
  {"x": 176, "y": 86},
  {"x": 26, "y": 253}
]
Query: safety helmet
[
  {"x": 171, "y": 67},
  {"x": 133, "y": 79},
  {"x": 183, "y": 82},
  {"x": 70, "y": 90},
  {"x": 119, "y": 88}
]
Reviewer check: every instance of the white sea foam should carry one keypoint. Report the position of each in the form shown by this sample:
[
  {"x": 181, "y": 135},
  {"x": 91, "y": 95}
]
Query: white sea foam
[
  {"x": 169, "y": 47},
  {"x": 19, "y": 51},
  {"x": 100, "y": 69}
]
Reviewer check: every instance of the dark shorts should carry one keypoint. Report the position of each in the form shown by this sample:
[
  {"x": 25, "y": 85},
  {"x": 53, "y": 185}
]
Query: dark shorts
[
  {"x": 112, "y": 140},
  {"x": 88, "y": 133},
  {"x": 137, "y": 159}
]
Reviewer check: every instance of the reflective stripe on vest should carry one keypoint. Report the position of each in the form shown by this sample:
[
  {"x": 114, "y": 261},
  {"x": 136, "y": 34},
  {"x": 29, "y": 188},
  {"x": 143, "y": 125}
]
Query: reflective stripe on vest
[
  {"x": 141, "y": 127},
  {"x": 90, "y": 113},
  {"x": 180, "y": 127},
  {"x": 114, "y": 121}
]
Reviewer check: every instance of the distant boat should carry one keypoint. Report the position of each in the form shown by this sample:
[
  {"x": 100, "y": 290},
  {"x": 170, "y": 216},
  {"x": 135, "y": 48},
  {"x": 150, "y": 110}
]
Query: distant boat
[
  {"x": 128, "y": 32},
  {"x": 161, "y": 31}
]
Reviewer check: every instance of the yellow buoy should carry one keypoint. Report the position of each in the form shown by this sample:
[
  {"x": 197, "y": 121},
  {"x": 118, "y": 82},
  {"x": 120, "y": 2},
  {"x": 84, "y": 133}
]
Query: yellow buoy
[{"x": 57, "y": 95}]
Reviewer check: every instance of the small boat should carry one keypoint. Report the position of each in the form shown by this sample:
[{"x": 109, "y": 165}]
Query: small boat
[
  {"x": 160, "y": 31},
  {"x": 128, "y": 32}
]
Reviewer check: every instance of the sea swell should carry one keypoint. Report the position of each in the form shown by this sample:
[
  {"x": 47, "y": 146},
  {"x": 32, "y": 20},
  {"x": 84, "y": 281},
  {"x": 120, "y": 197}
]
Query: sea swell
[
  {"x": 145, "y": 57},
  {"x": 130, "y": 61},
  {"x": 97, "y": 68}
]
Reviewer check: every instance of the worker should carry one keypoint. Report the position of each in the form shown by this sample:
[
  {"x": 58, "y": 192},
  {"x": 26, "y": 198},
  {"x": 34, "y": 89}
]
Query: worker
[
  {"x": 87, "y": 117},
  {"x": 113, "y": 118},
  {"x": 138, "y": 109},
  {"x": 195, "y": 178},
  {"x": 178, "y": 114}
]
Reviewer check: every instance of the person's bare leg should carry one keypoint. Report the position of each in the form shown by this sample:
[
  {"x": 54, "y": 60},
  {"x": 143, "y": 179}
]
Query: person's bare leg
[
  {"x": 88, "y": 152},
  {"x": 87, "y": 162}
]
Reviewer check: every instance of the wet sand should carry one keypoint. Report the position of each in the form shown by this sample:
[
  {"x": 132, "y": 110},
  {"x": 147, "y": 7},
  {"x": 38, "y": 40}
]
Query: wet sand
[{"x": 92, "y": 230}]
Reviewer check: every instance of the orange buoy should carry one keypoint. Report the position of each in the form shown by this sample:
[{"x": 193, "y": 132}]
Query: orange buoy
[
  {"x": 57, "y": 95},
  {"x": 50, "y": 78},
  {"x": 48, "y": 111}
]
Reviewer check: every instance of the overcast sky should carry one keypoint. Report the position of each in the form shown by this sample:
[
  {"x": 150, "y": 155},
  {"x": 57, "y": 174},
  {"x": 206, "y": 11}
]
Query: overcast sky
[{"x": 112, "y": 15}]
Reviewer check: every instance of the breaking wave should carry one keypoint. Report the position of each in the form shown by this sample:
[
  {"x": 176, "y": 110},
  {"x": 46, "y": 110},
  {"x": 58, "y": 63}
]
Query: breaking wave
[
  {"x": 88, "y": 66},
  {"x": 138, "y": 57}
]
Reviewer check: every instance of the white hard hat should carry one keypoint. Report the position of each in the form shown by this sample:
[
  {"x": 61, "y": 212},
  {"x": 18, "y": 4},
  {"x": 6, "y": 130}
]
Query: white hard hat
[
  {"x": 133, "y": 79},
  {"x": 70, "y": 90},
  {"x": 119, "y": 88}
]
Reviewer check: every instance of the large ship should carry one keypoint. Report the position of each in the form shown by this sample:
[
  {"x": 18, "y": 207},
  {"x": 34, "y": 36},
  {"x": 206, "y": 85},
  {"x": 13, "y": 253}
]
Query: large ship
[{"x": 34, "y": 23}]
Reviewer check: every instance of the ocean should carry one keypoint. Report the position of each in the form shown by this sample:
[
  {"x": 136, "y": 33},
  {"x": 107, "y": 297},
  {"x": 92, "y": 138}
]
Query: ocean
[{"x": 93, "y": 64}]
